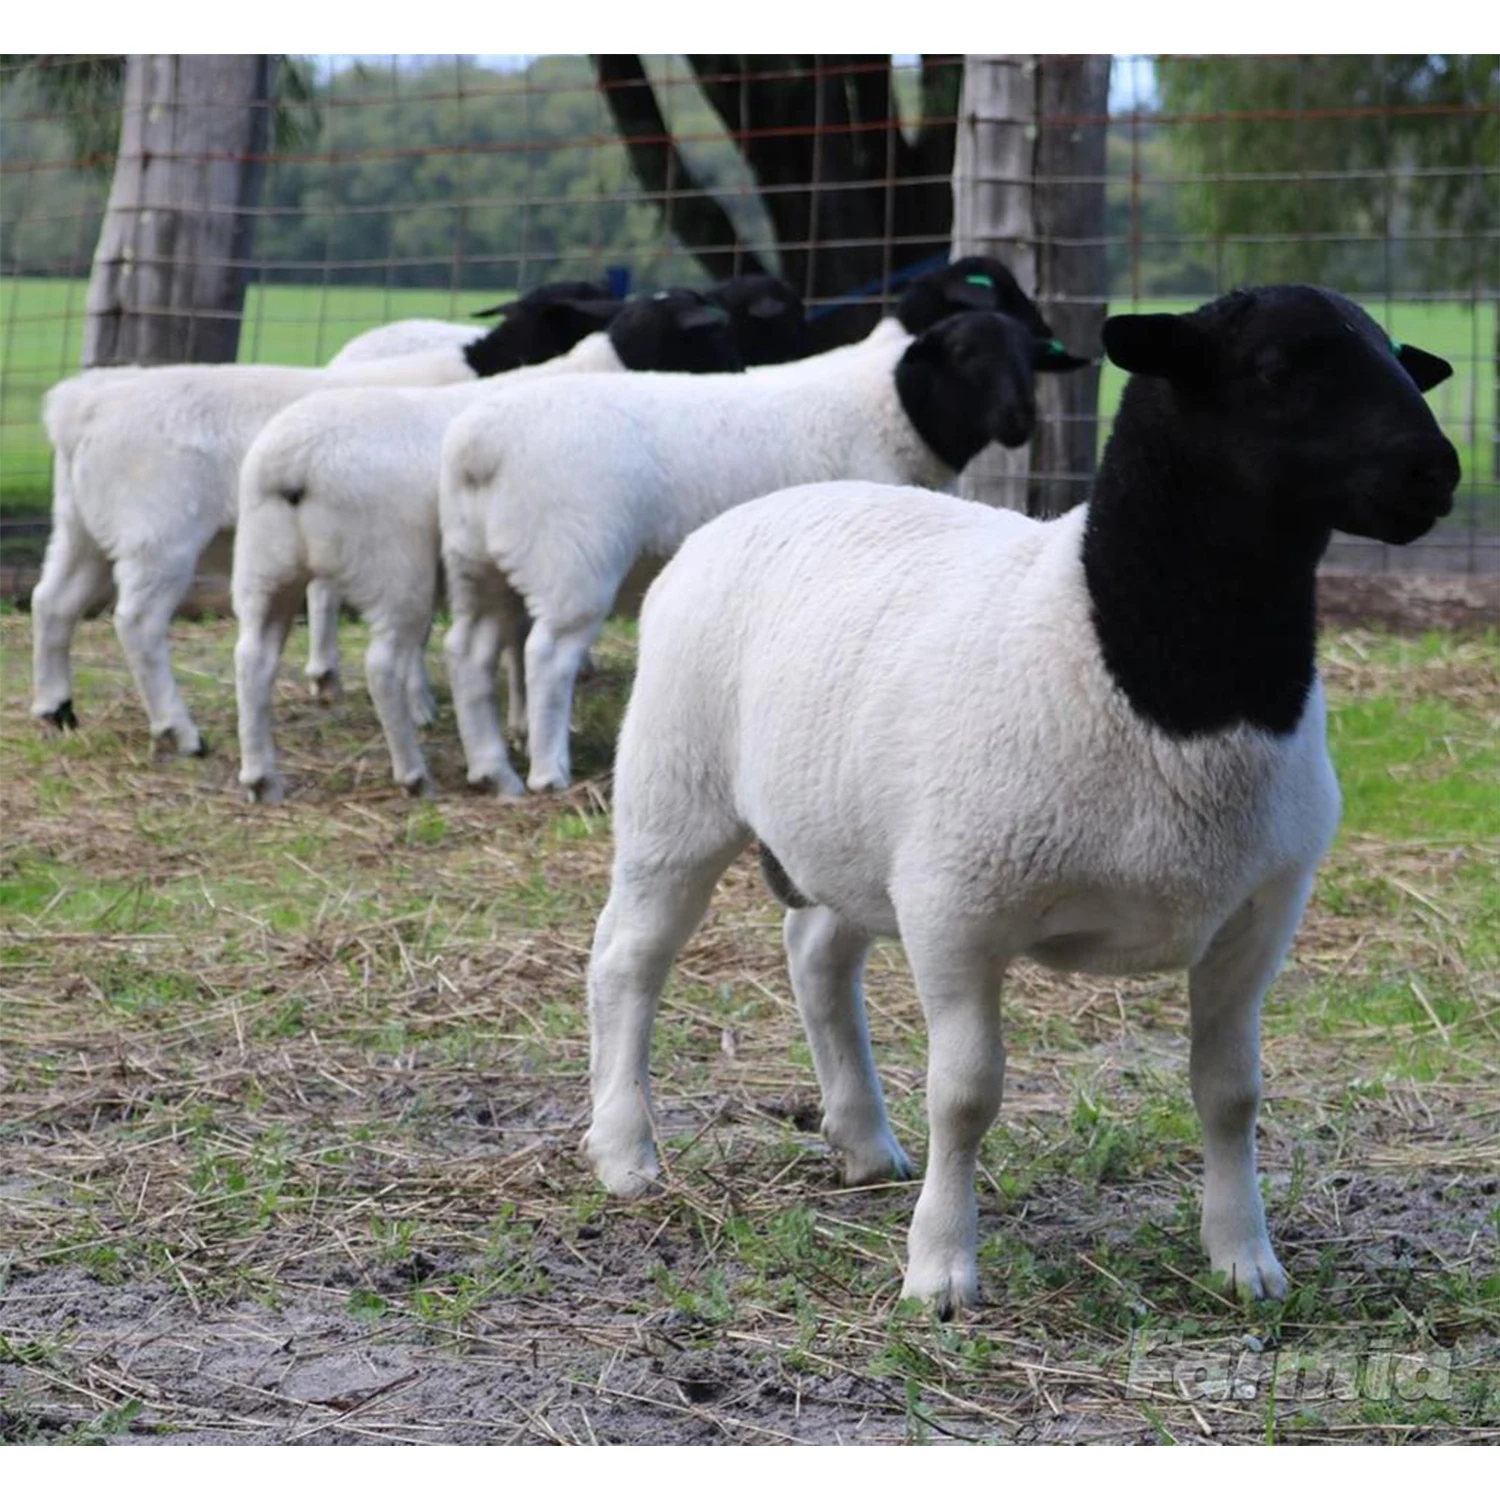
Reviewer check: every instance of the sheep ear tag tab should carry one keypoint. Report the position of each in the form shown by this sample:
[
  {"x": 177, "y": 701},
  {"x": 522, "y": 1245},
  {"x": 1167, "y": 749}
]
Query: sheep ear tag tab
[
  {"x": 1051, "y": 357},
  {"x": 980, "y": 281}
]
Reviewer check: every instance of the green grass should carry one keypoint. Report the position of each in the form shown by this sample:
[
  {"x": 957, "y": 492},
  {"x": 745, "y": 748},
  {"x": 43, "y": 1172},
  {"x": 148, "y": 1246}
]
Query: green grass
[
  {"x": 41, "y": 332},
  {"x": 41, "y": 329}
]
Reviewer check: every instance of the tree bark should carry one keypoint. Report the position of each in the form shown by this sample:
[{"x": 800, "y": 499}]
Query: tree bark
[
  {"x": 994, "y": 214},
  {"x": 168, "y": 281},
  {"x": 1028, "y": 188},
  {"x": 1072, "y": 282}
]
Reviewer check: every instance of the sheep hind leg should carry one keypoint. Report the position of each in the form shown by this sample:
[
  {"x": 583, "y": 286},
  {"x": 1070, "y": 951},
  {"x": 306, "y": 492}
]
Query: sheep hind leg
[
  {"x": 554, "y": 654},
  {"x": 74, "y": 577},
  {"x": 826, "y": 958},
  {"x": 959, "y": 983},
  {"x": 1225, "y": 990},
  {"x": 472, "y": 648},
  {"x": 264, "y": 626},
  {"x": 388, "y": 673},
  {"x": 651, "y": 912},
  {"x": 324, "y": 677},
  {"x": 420, "y": 701},
  {"x": 518, "y": 627},
  {"x": 148, "y": 595}
]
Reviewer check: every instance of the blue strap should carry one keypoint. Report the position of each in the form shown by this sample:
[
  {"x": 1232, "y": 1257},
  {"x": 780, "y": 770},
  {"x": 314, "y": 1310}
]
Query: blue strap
[{"x": 880, "y": 284}]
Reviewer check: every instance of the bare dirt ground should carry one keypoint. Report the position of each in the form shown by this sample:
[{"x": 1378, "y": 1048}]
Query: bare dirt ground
[{"x": 290, "y": 1100}]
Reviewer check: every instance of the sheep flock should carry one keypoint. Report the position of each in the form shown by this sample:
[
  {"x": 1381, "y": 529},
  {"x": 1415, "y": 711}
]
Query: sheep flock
[{"x": 1096, "y": 742}]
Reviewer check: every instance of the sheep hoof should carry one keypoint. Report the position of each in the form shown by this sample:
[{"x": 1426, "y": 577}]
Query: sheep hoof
[
  {"x": 326, "y": 687},
  {"x": 1253, "y": 1276},
  {"x": 879, "y": 1161},
  {"x": 943, "y": 1294},
  {"x": 265, "y": 790},
  {"x": 630, "y": 1173},
  {"x": 419, "y": 785},
  {"x": 545, "y": 782},
  {"x": 505, "y": 785},
  {"x": 171, "y": 742},
  {"x": 60, "y": 718}
]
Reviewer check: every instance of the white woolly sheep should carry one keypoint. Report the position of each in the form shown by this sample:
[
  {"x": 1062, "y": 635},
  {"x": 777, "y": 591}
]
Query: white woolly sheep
[
  {"x": 1097, "y": 743},
  {"x": 145, "y": 474},
  {"x": 341, "y": 489},
  {"x": 556, "y": 494}
]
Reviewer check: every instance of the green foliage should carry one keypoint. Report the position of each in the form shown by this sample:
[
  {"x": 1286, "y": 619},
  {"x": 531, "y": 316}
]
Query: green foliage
[{"x": 1358, "y": 171}]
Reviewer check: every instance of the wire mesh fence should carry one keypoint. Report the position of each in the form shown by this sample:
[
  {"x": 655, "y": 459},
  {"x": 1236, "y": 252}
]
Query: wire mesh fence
[{"x": 425, "y": 186}]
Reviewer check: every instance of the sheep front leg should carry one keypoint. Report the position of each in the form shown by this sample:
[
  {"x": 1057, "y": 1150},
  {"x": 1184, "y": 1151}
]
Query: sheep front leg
[
  {"x": 150, "y": 589},
  {"x": 826, "y": 958},
  {"x": 472, "y": 647},
  {"x": 264, "y": 626},
  {"x": 959, "y": 985},
  {"x": 554, "y": 654},
  {"x": 650, "y": 914},
  {"x": 324, "y": 679},
  {"x": 1225, "y": 990},
  {"x": 75, "y": 575}
]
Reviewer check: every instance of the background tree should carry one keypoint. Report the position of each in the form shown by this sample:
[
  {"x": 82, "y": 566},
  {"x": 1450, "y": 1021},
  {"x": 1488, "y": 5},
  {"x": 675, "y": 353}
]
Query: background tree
[
  {"x": 1376, "y": 174},
  {"x": 188, "y": 137},
  {"x": 852, "y": 194}
]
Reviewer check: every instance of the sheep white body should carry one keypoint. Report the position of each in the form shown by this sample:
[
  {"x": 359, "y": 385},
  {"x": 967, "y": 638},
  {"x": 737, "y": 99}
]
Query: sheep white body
[
  {"x": 406, "y": 336},
  {"x": 146, "y": 474},
  {"x": 364, "y": 464},
  {"x": 557, "y": 493},
  {"x": 902, "y": 695}
]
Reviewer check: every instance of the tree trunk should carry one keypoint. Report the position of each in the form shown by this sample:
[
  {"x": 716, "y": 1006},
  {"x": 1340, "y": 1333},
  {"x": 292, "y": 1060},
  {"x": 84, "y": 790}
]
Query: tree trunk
[
  {"x": 994, "y": 214},
  {"x": 168, "y": 283},
  {"x": 1071, "y": 272},
  {"x": 694, "y": 215}
]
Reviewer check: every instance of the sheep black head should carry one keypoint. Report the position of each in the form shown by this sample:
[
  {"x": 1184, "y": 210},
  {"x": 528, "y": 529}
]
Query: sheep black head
[
  {"x": 967, "y": 382},
  {"x": 1305, "y": 405},
  {"x": 979, "y": 283},
  {"x": 675, "y": 330},
  {"x": 546, "y": 322},
  {"x": 769, "y": 323}
]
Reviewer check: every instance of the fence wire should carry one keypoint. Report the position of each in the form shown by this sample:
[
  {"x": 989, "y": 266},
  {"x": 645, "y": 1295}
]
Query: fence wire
[{"x": 426, "y": 186}]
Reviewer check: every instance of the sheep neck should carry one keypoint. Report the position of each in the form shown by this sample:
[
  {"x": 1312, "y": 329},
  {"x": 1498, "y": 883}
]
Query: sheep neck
[{"x": 1203, "y": 596}]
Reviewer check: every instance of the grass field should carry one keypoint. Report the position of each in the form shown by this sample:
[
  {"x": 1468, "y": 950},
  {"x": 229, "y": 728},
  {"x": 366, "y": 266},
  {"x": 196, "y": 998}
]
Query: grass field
[
  {"x": 41, "y": 329},
  {"x": 290, "y": 1100}
]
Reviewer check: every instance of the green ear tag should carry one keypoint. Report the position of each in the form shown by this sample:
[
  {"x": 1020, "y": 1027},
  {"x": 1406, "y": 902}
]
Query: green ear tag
[
  {"x": 980, "y": 281},
  {"x": 1054, "y": 346},
  {"x": 1396, "y": 347}
]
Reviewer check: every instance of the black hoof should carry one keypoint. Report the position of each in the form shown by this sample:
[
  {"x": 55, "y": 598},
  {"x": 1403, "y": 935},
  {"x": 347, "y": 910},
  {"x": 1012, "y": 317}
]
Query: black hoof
[
  {"x": 63, "y": 715},
  {"x": 201, "y": 753}
]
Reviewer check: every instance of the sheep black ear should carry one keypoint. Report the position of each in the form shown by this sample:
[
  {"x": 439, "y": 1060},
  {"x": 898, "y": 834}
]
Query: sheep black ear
[
  {"x": 499, "y": 310},
  {"x": 1049, "y": 357},
  {"x": 975, "y": 292},
  {"x": 703, "y": 316},
  {"x": 1157, "y": 344},
  {"x": 767, "y": 307},
  {"x": 600, "y": 310},
  {"x": 1426, "y": 369}
]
